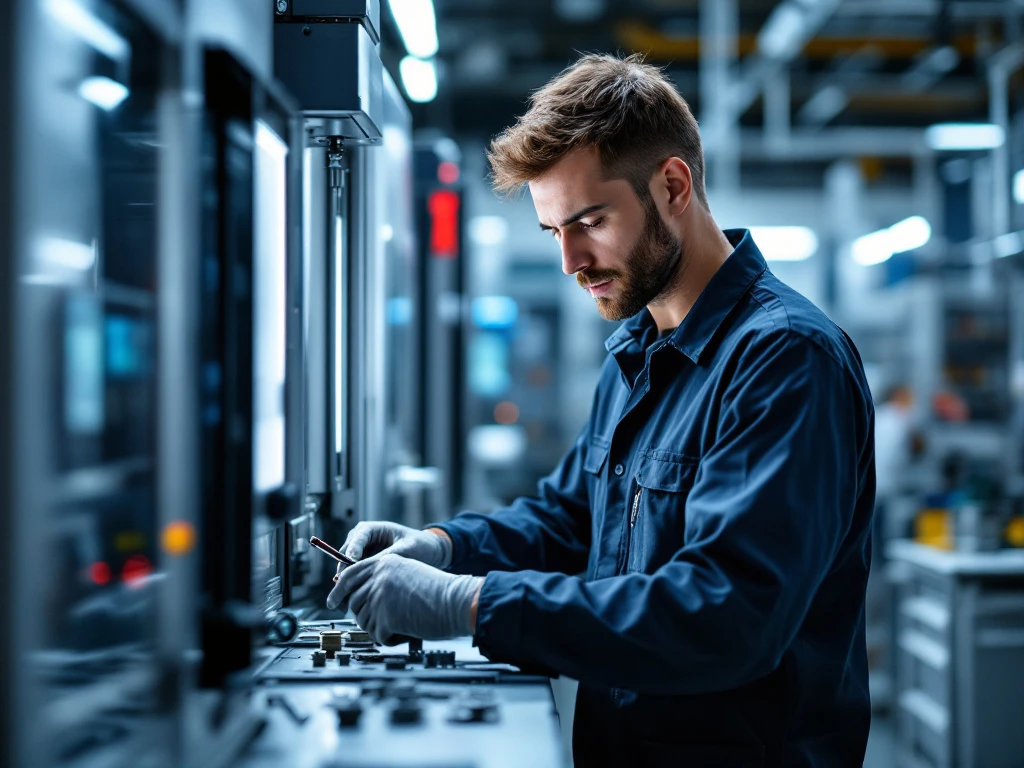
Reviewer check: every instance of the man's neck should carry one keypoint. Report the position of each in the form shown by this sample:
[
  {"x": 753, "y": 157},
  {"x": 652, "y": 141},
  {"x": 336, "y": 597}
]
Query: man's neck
[{"x": 705, "y": 250}]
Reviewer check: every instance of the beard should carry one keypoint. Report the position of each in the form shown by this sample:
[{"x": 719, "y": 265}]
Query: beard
[{"x": 653, "y": 263}]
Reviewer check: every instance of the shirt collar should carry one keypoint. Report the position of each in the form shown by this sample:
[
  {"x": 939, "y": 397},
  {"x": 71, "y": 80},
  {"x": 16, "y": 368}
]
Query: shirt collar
[{"x": 726, "y": 287}]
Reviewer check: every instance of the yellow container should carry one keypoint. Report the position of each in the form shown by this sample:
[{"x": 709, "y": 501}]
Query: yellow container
[
  {"x": 1015, "y": 532},
  {"x": 934, "y": 527}
]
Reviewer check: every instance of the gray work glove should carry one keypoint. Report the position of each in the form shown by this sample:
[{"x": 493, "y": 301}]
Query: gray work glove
[
  {"x": 393, "y": 596},
  {"x": 368, "y": 539}
]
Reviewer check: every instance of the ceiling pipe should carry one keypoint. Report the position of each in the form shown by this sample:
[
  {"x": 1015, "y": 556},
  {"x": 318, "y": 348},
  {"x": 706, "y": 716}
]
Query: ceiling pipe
[
  {"x": 1001, "y": 66},
  {"x": 789, "y": 27}
]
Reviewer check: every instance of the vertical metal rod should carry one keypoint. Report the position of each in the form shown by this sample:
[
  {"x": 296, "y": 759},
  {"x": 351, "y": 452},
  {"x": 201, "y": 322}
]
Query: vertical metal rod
[
  {"x": 339, "y": 309},
  {"x": 719, "y": 23}
]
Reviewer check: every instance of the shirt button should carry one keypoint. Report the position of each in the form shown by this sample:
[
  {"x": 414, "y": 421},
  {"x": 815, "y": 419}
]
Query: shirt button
[{"x": 619, "y": 469}]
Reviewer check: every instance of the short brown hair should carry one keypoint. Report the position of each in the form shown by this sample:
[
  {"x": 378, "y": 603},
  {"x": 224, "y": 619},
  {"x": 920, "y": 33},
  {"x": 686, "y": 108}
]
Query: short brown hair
[{"x": 625, "y": 109}]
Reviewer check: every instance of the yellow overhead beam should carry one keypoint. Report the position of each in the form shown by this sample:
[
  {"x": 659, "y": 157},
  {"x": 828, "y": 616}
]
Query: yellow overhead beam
[{"x": 642, "y": 37}]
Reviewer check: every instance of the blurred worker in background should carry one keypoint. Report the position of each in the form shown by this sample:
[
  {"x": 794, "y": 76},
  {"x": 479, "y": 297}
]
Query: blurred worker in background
[
  {"x": 893, "y": 432},
  {"x": 719, "y": 499}
]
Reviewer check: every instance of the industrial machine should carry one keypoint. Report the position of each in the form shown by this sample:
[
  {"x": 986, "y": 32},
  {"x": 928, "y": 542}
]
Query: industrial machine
[{"x": 213, "y": 341}]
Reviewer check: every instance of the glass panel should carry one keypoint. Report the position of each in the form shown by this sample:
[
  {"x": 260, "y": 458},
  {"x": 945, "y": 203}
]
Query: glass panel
[
  {"x": 269, "y": 312},
  {"x": 98, "y": 616}
]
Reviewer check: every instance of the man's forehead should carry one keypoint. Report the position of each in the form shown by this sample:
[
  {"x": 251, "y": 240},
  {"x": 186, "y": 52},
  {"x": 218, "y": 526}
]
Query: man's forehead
[{"x": 573, "y": 184}]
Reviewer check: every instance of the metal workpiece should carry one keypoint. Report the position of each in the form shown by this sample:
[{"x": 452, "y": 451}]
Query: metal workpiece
[
  {"x": 357, "y": 636},
  {"x": 439, "y": 659},
  {"x": 407, "y": 713},
  {"x": 475, "y": 706},
  {"x": 348, "y": 710},
  {"x": 330, "y": 641},
  {"x": 369, "y": 657},
  {"x": 344, "y": 658},
  {"x": 319, "y": 658}
]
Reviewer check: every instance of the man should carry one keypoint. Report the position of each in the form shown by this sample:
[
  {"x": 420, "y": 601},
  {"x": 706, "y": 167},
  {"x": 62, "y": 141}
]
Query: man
[{"x": 718, "y": 499}]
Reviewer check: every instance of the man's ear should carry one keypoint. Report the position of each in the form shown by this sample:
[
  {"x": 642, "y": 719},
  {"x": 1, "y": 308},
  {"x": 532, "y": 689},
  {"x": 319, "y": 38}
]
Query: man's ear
[{"x": 678, "y": 181}]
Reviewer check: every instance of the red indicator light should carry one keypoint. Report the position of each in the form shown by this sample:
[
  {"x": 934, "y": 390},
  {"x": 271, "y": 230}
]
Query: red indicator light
[
  {"x": 448, "y": 172},
  {"x": 506, "y": 412},
  {"x": 444, "y": 224},
  {"x": 136, "y": 568},
  {"x": 99, "y": 573}
]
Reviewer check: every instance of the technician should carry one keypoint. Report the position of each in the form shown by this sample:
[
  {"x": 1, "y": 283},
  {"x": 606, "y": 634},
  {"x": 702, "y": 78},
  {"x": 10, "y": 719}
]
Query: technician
[{"x": 698, "y": 559}]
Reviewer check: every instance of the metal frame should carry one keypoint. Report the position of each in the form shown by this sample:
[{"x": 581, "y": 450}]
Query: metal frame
[{"x": 8, "y": 295}]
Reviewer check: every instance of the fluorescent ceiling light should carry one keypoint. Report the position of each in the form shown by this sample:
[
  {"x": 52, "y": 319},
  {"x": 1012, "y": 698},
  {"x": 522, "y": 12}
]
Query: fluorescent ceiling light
[
  {"x": 67, "y": 253},
  {"x": 782, "y": 34},
  {"x": 103, "y": 92},
  {"x": 785, "y": 243},
  {"x": 417, "y": 25},
  {"x": 89, "y": 28},
  {"x": 950, "y": 137},
  {"x": 488, "y": 230},
  {"x": 419, "y": 79},
  {"x": 1018, "y": 187},
  {"x": 903, "y": 236}
]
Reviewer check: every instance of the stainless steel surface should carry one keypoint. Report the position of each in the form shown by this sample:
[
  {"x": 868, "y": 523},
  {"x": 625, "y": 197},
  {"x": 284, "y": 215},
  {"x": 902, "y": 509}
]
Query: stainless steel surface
[
  {"x": 316, "y": 307},
  {"x": 1005, "y": 561}
]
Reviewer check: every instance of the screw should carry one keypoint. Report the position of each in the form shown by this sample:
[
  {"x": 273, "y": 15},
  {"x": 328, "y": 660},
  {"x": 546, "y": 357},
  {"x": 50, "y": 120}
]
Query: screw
[{"x": 282, "y": 6}]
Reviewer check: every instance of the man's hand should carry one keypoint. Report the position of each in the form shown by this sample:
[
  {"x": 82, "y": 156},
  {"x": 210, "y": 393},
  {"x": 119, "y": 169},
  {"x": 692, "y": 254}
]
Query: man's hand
[
  {"x": 367, "y": 539},
  {"x": 432, "y": 547},
  {"x": 393, "y": 596}
]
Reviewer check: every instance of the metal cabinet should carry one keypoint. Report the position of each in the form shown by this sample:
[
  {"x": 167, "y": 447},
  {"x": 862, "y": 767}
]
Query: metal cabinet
[{"x": 960, "y": 657}]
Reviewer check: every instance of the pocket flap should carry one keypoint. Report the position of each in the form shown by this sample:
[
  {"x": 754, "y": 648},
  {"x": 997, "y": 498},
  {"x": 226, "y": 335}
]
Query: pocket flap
[
  {"x": 595, "y": 459},
  {"x": 666, "y": 474}
]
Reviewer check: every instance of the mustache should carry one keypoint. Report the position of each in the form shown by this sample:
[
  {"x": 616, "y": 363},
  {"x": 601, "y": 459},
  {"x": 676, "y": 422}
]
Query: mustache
[{"x": 590, "y": 279}]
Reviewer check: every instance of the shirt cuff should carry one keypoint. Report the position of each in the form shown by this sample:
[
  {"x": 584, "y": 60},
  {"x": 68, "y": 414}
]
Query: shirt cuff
[
  {"x": 459, "y": 543},
  {"x": 499, "y": 617}
]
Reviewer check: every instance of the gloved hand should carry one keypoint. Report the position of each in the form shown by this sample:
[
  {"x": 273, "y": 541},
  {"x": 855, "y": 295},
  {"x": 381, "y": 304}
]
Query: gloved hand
[
  {"x": 393, "y": 596},
  {"x": 368, "y": 539}
]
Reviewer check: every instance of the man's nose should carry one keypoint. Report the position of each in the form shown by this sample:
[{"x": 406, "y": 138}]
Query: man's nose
[{"x": 574, "y": 254}]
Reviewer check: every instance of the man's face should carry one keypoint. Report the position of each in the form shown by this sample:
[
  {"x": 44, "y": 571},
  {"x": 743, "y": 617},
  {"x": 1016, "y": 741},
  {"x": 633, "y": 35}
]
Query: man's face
[{"x": 618, "y": 248}]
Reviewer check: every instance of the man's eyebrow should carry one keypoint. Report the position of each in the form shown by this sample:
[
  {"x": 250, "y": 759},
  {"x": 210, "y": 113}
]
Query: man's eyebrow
[{"x": 578, "y": 215}]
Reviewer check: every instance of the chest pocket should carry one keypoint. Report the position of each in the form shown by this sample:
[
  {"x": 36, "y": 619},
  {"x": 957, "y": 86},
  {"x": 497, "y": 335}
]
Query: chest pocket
[{"x": 657, "y": 515}]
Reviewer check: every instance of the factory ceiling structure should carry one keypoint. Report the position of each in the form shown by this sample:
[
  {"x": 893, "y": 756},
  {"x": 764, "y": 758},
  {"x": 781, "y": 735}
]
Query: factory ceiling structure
[{"x": 821, "y": 71}]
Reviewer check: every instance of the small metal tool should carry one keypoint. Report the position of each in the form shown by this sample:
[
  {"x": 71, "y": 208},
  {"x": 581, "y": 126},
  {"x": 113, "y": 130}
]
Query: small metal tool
[{"x": 330, "y": 551}]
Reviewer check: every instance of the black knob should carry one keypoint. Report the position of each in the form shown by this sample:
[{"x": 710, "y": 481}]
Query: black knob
[
  {"x": 282, "y": 627},
  {"x": 283, "y": 503}
]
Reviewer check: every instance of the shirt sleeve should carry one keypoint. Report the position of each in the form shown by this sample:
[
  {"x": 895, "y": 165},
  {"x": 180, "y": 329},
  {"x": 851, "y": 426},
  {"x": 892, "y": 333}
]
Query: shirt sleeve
[
  {"x": 772, "y": 502},
  {"x": 549, "y": 532}
]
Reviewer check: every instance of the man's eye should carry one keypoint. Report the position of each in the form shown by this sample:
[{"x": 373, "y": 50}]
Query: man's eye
[{"x": 594, "y": 225}]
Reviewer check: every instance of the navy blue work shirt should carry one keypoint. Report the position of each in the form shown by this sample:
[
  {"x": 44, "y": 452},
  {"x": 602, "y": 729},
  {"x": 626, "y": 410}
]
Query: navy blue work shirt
[{"x": 719, "y": 502}]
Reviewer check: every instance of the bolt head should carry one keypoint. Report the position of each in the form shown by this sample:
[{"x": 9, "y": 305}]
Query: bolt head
[{"x": 282, "y": 6}]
